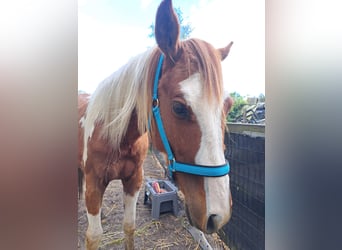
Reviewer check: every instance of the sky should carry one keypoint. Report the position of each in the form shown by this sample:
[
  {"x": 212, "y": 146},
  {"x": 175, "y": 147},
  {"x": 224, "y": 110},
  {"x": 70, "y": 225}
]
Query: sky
[{"x": 111, "y": 32}]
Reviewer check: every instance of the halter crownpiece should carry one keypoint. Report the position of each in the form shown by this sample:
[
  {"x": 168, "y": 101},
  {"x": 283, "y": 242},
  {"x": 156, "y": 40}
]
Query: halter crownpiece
[{"x": 174, "y": 166}]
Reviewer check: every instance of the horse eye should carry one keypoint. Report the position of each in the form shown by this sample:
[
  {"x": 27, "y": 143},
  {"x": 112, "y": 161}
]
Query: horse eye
[{"x": 180, "y": 110}]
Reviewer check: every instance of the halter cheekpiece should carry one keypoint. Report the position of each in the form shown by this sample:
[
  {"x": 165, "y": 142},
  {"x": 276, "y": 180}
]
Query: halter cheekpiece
[{"x": 174, "y": 166}]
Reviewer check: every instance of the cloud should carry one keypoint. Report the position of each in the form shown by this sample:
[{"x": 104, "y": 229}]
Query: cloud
[
  {"x": 106, "y": 45},
  {"x": 145, "y": 3},
  {"x": 103, "y": 47},
  {"x": 222, "y": 21}
]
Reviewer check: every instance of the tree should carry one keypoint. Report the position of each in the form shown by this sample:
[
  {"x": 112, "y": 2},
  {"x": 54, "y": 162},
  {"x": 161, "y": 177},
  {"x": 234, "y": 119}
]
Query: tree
[
  {"x": 185, "y": 29},
  {"x": 237, "y": 108}
]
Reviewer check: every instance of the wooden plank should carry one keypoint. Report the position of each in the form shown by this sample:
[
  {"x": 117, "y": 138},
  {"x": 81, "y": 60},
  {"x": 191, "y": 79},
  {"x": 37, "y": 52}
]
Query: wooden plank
[{"x": 253, "y": 130}]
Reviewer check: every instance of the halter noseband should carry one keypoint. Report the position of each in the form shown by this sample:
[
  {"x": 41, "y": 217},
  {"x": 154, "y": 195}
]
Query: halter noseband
[{"x": 174, "y": 166}]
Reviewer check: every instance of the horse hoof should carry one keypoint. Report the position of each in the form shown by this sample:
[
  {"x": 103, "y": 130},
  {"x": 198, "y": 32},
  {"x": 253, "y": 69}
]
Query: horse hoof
[
  {"x": 129, "y": 242},
  {"x": 93, "y": 243},
  {"x": 129, "y": 246}
]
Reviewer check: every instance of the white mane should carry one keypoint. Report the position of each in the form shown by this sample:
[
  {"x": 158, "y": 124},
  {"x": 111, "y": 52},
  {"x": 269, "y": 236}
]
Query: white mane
[{"x": 115, "y": 99}]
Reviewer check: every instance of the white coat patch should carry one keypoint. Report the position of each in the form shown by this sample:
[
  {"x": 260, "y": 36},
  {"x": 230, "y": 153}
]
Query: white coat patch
[
  {"x": 209, "y": 120},
  {"x": 210, "y": 152},
  {"x": 94, "y": 225},
  {"x": 130, "y": 210}
]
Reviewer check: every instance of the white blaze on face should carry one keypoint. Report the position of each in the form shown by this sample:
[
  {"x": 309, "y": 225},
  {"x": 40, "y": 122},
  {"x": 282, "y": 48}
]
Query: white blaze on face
[
  {"x": 209, "y": 120},
  {"x": 210, "y": 152}
]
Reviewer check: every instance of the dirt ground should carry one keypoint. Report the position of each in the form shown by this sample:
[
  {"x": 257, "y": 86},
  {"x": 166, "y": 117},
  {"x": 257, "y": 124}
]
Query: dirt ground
[{"x": 169, "y": 232}]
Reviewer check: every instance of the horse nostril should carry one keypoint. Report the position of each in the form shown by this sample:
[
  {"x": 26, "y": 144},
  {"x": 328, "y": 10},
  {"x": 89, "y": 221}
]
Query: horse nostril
[{"x": 212, "y": 223}]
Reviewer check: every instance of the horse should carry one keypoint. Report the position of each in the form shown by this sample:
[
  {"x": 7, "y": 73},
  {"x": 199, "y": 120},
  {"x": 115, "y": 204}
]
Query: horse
[{"x": 172, "y": 96}]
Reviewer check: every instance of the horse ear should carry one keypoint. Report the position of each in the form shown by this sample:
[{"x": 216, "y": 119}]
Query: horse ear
[
  {"x": 167, "y": 30},
  {"x": 225, "y": 51},
  {"x": 228, "y": 103}
]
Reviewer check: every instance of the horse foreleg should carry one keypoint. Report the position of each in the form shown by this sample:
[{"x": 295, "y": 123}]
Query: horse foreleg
[
  {"x": 131, "y": 189},
  {"x": 93, "y": 196},
  {"x": 94, "y": 231},
  {"x": 130, "y": 202}
]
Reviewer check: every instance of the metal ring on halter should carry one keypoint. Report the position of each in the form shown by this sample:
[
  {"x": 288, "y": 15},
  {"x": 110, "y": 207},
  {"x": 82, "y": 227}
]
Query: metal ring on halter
[
  {"x": 171, "y": 164},
  {"x": 155, "y": 103}
]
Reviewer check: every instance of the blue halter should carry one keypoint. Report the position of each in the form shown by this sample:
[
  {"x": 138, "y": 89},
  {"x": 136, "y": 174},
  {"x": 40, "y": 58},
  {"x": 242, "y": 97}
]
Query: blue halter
[{"x": 174, "y": 166}]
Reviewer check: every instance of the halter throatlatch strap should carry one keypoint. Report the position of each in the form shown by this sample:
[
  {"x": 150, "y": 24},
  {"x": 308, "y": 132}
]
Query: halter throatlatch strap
[{"x": 174, "y": 166}]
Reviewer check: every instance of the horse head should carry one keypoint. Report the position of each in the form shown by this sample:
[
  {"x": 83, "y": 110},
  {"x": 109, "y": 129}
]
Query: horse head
[{"x": 193, "y": 110}]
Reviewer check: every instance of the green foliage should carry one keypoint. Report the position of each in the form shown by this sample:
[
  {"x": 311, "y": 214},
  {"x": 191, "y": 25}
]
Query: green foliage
[
  {"x": 237, "y": 108},
  {"x": 185, "y": 29}
]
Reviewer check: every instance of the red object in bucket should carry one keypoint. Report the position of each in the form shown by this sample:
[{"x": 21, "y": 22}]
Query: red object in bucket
[{"x": 156, "y": 187}]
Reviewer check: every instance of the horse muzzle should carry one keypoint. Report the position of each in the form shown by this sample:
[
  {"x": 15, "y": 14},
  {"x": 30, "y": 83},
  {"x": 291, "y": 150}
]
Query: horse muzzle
[{"x": 211, "y": 223}]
